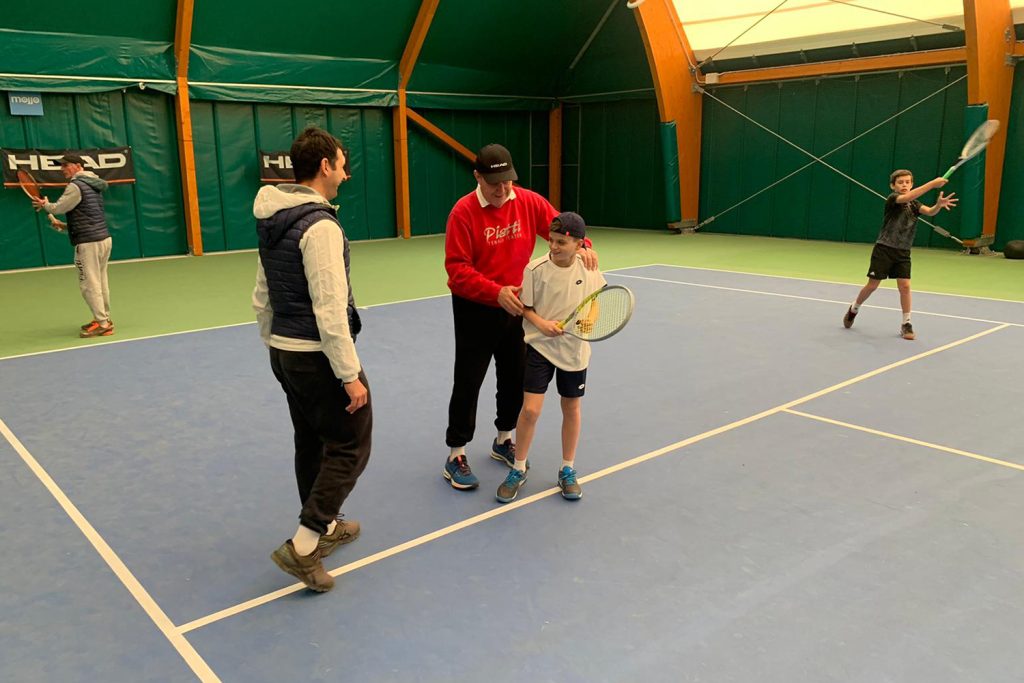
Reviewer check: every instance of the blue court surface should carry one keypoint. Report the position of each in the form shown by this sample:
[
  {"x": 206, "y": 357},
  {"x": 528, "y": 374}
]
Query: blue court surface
[{"x": 768, "y": 497}]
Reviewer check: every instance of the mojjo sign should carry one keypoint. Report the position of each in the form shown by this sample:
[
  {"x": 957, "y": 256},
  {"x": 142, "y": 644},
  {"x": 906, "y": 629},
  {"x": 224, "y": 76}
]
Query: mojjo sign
[{"x": 25, "y": 103}]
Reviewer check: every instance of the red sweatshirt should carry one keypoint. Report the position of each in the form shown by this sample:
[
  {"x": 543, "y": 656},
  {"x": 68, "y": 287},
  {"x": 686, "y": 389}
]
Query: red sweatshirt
[{"x": 487, "y": 248}]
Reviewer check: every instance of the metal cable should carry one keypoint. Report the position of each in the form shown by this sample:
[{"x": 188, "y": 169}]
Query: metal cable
[
  {"x": 708, "y": 59},
  {"x": 948, "y": 27},
  {"x": 821, "y": 159}
]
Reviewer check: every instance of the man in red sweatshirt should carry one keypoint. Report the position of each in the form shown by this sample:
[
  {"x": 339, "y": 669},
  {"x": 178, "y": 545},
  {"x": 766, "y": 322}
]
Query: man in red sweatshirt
[{"x": 489, "y": 239}]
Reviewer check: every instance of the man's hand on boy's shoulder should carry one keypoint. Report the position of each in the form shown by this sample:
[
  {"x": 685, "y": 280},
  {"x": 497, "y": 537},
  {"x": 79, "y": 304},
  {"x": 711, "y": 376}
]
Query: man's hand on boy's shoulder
[{"x": 589, "y": 257}]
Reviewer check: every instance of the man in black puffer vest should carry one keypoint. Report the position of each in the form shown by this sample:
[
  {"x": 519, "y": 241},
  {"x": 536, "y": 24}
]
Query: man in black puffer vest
[
  {"x": 307, "y": 317},
  {"x": 82, "y": 202}
]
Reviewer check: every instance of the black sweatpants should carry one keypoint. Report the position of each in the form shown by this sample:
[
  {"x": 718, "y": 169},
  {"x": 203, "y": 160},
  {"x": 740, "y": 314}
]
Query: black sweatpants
[
  {"x": 331, "y": 445},
  {"x": 482, "y": 332}
]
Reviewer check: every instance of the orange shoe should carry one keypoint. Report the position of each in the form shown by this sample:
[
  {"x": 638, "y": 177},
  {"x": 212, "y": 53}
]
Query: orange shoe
[
  {"x": 95, "y": 329},
  {"x": 95, "y": 322}
]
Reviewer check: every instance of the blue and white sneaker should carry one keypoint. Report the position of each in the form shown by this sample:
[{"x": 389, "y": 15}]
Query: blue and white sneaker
[
  {"x": 505, "y": 453},
  {"x": 567, "y": 483},
  {"x": 459, "y": 475},
  {"x": 509, "y": 488}
]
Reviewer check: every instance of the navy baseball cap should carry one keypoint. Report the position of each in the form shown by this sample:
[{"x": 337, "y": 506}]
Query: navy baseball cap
[
  {"x": 494, "y": 163},
  {"x": 569, "y": 223},
  {"x": 71, "y": 158}
]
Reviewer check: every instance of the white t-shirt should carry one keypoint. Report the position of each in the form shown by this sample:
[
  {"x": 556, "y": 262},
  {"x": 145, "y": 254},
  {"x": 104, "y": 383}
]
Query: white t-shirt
[{"x": 553, "y": 292}]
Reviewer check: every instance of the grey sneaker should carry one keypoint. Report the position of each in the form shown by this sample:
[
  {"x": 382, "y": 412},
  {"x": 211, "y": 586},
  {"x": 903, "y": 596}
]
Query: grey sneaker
[
  {"x": 567, "y": 483},
  {"x": 907, "y": 331},
  {"x": 306, "y": 568},
  {"x": 345, "y": 531},
  {"x": 509, "y": 488}
]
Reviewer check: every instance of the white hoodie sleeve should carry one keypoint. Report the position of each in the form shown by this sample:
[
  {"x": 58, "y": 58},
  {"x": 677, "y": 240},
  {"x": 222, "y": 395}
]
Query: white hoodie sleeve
[
  {"x": 71, "y": 197},
  {"x": 323, "y": 260},
  {"x": 261, "y": 303}
]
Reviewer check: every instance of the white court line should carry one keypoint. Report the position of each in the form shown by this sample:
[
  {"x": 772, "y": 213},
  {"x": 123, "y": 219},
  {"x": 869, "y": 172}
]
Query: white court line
[
  {"x": 199, "y": 329},
  {"x": 811, "y": 298},
  {"x": 825, "y": 282},
  {"x": 907, "y": 439},
  {"x": 221, "y": 327},
  {"x": 149, "y": 606},
  {"x": 371, "y": 559}
]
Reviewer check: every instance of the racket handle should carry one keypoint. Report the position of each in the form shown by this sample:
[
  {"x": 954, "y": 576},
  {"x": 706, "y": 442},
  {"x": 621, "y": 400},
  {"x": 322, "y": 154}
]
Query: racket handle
[{"x": 948, "y": 173}]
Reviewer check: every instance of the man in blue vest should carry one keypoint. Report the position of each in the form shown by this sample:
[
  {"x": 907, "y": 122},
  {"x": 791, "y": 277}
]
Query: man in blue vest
[
  {"x": 307, "y": 317},
  {"x": 82, "y": 203}
]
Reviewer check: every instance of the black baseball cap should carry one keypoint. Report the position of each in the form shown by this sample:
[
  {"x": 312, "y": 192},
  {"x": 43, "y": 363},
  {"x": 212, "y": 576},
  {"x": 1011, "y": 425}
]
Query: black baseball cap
[
  {"x": 569, "y": 223},
  {"x": 71, "y": 158},
  {"x": 494, "y": 163}
]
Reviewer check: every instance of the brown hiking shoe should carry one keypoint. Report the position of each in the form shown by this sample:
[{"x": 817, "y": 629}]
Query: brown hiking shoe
[
  {"x": 345, "y": 531},
  {"x": 306, "y": 568},
  {"x": 907, "y": 331},
  {"x": 848, "y": 318},
  {"x": 95, "y": 329}
]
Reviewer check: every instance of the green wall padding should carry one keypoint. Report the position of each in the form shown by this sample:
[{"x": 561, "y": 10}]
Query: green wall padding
[
  {"x": 971, "y": 178},
  {"x": 613, "y": 172},
  {"x": 438, "y": 176},
  {"x": 670, "y": 165},
  {"x": 227, "y": 138},
  {"x": 1010, "y": 224},
  {"x": 145, "y": 218},
  {"x": 739, "y": 159}
]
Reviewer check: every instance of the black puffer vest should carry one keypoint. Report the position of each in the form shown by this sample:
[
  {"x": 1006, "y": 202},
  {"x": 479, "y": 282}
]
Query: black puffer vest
[
  {"x": 279, "y": 238},
  {"x": 87, "y": 221}
]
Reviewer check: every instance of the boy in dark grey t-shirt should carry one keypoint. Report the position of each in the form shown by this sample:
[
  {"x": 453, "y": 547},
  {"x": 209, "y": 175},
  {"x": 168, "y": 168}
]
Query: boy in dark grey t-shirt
[{"x": 891, "y": 254}]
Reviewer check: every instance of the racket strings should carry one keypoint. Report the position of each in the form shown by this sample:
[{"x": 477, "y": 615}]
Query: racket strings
[
  {"x": 603, "y": 316},
  {"x": 979, "y": 139},
  {"x": 28, "y": 183}
]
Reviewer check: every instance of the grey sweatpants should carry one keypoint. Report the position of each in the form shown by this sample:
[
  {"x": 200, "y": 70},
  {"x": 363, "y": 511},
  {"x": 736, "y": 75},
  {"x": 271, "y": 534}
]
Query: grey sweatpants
[{"x": 91, "y": 260}]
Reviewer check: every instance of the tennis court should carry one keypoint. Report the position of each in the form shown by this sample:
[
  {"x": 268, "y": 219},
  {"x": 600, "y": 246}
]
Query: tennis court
[
  {"x": 767, "y": 496},
  {"x": 784, "y": 480}
]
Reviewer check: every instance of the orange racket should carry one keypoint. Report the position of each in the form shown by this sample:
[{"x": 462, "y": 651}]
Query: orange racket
[{"x": 28, "y": 184}]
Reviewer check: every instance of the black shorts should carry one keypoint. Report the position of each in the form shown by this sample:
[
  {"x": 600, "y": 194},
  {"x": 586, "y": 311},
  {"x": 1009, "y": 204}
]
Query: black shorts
[
  {"x": 539, "y": 371},
  {"x": 889, "y": 262}
]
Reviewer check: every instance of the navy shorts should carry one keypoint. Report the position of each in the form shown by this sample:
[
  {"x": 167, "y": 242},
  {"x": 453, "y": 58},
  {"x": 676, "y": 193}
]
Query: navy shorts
[
  {"x": 539, "y": 371},
  {"x": 888, "y": 262}
]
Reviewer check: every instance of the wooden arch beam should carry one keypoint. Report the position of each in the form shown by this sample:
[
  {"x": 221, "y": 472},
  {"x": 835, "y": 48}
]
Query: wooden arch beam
[
  {"x": 183, "y": 121},
  {"x": 990, "y": 46},
  {"x": 905, "y": 60},
  {"x": 668, "y": 53},
  {"x": 400, "y": 114}
]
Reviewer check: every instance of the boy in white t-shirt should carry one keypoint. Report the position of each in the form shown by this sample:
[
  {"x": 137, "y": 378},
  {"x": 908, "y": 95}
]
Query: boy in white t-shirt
[{"x": 553, "y": 286}]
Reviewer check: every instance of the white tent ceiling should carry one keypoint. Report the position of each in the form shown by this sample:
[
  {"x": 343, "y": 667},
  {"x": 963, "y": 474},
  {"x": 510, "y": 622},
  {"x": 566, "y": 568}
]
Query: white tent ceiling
[{"x": 809, "y": 24}]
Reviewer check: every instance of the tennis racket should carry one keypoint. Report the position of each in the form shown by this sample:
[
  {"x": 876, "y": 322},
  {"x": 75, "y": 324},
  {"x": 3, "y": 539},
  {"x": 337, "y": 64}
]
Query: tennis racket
[
  {"x": 975, "y": 145},
  {"x": 601, "y": 314},
  {"x": 28, "y": 184}
]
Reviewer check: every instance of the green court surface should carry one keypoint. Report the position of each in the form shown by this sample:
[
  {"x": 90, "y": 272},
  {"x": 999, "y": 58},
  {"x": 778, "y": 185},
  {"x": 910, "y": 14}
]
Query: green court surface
[{"x": 43, "y": 309}]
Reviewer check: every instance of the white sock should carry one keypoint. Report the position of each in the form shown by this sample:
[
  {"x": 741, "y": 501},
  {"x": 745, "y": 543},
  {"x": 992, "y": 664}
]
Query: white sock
[
  {"x": 854, "y": 307},
  {"x": 568, "y": 463},
  {"x": 519, "y": 465},
  {"x": 332, "y": 526},
  {"x": 503, "y": 437},
  {"x": 456, "y": 452},
  {"x": 305, "y": 540},
  {"x": 906, "y": 318}
]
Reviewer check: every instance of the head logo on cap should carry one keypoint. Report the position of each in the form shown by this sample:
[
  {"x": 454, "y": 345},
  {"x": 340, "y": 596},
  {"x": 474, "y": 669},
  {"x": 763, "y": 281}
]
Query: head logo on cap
[{"x": 494, "y": 163}]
